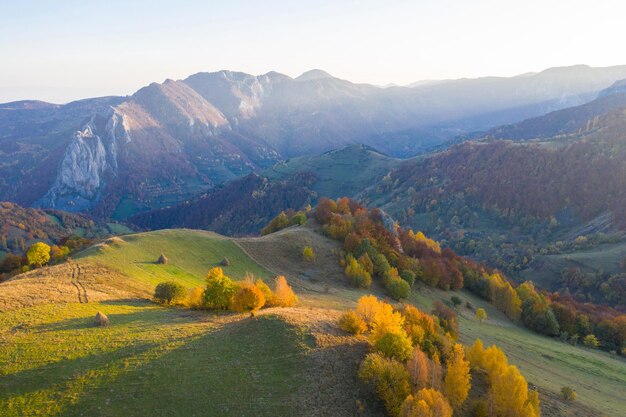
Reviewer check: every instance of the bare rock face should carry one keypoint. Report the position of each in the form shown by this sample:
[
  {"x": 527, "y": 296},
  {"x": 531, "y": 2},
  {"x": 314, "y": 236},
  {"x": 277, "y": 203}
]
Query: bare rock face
[{"x": 90, "y": 156}]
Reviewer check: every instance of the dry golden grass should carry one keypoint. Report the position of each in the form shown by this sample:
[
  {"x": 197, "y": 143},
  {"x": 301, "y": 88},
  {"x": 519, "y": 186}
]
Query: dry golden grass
[
  {"x": 281, "y": 253},
  {"x": 331, "y": 387},
  {"x": 68, "y": 283}
]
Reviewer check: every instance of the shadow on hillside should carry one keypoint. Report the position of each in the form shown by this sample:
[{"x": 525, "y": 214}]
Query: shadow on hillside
[
  {"x": 252, "y": 366},
  {"x": 147, "y": 314},
  {"x": 57, "y": 373}
]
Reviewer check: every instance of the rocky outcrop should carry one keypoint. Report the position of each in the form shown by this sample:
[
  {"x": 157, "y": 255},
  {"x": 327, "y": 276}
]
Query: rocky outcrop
[{"x": 90, "y": 157}]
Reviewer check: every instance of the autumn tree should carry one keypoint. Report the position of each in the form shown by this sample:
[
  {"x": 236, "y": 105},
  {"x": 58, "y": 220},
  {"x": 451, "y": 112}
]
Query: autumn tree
[
  {"x": 504, "y": 297},
  {"x": 277, "y": 223},
  {"x": 475, "y": 354},
  {"x": 426, "y": 403},
  {"x": 38, "y": 254},
  {"x": 386, "y": 321},
  {"x": 508, "y": 395},
  {"x": 219, "y": 290},
  {"x": 248, "y": 297},
  {"x": 394, "y": 345},
  {"x": 195, "y": 299},
  {"x": 10, "y": 263},
  {"x": 170, "y": 292},
  {"x": 261, "y": 285},
  {"x": 359, "y": 277},
  {"x": 389, "y": 378},
  {"x": 352, "y": 323},
  {"x": 419, "y": 369},
  {"x": 283, "y": 294},
  {"x": 457, "y": 381},
  {"x": 481, "y": 314},
  {"x": 367, "y": 307}
]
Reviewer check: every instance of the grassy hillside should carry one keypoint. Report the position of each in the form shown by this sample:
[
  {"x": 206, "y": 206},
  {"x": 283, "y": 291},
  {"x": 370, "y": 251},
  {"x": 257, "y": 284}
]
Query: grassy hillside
[
  {"x": 191, "y": 254},
  {"x": 597, "y": 377},
  {"x": 338, "y": 173},
  {"x": 153, "y": 360}
]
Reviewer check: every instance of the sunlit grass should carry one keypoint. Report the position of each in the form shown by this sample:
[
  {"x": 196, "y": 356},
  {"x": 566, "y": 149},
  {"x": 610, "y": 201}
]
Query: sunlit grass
[{"x": 151, "y": 360}]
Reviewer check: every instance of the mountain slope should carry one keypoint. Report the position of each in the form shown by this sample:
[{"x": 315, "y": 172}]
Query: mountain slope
[
  {"x": 243, "y": 206},
  {"x": 115, "y": 156},
  {"x": 528, "y": 205}
]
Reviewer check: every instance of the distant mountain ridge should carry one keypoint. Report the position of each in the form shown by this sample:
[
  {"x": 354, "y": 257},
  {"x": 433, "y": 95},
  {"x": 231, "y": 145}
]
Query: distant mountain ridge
[{"x": 168, "y": 142}]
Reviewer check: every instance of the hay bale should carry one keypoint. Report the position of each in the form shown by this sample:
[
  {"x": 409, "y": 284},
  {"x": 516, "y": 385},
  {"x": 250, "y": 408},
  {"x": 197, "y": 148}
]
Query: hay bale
[
  {"x": 225, "y": 262},
  {"x": 101, "y": 319},
  {"x": 163, "y": 260}
]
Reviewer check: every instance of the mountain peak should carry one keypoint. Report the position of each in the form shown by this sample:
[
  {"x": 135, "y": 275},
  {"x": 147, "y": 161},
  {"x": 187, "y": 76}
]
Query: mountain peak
[{"x": 314, "y": 74}]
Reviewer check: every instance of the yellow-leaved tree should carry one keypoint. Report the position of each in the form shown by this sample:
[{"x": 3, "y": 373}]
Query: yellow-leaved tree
[
  {"x": 475, "y": 354},
  {"x": 509, "y": 397},
  {"x": 367, "y": 307},
  {"x": 457, "y": 381},
  {"x": 427, "y": 402}
]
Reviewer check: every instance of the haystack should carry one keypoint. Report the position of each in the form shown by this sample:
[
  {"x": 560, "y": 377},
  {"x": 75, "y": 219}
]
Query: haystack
[
  {"x": 225, "y": 262},
  {"x": 162, "y": 260},
  {"x": 101, "y": 319}
]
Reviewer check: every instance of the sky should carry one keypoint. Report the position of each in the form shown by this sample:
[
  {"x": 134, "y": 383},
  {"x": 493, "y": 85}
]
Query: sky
[{"x": 60, "y": 51}]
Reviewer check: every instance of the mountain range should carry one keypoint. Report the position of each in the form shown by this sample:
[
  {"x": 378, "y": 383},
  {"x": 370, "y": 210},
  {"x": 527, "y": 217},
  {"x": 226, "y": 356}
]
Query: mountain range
[{"x": 113, "y": 157}]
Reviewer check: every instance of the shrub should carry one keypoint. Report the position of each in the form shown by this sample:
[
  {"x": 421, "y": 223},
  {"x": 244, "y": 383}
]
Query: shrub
[
  {"x": 283, "y": 294},
  {"x": 59, "y": 253},
  {"x": 591, "y": 341},
  {"x": 568, "y": 393},
  {"x": 456, "y": 301},
  {"x": 389, "y": 378},
  {"x": 408, "y": 276},
  {"x": 299, "y": 218},
  {"x": 219, "y": 290},
  {"x": 163, "y": 260},
  {"x": 196, "y": 298},
  {"x": 10, "y": 263},
  {"x": 249, "y": 297},
  {"x": 38, "y": 254},
  {"x": 279, "y": 222},
  {"x": 265, "y": 289},
  {"x": 352, "y": 323},
  {"x": 170, "y": 292},
  {"x": 307, "y": 254},
  {"x": 394, "y": 345},
  {"x": 359, "y": 277},
  {"x": 397, "y": 288}
]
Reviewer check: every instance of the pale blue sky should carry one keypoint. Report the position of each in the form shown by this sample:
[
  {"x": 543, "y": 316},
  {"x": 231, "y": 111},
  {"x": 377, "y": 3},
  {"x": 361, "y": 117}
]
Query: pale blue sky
[{"x": 67, "y": 49}]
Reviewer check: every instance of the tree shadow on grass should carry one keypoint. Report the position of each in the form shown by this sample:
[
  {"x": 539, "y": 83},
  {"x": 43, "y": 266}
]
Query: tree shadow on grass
[
  {"x": 250, "y": 367},
  {"x": 55, "y": 373},
  {"x": 151, "y": 315}
]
